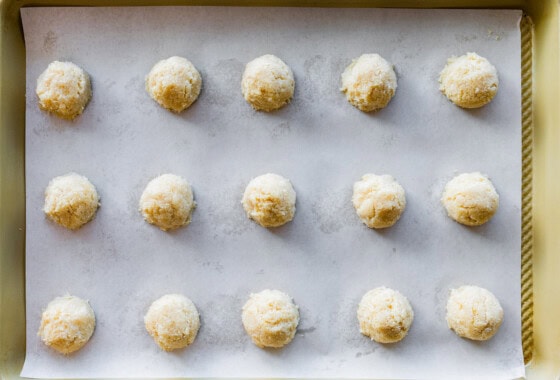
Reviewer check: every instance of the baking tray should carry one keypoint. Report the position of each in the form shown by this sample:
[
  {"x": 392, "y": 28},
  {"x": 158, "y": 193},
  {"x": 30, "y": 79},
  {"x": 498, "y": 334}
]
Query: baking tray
[{"x": 541, "y": 147}]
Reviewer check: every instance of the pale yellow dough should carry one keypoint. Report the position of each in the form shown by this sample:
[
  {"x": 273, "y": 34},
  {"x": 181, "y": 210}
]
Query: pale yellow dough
[
  {"x": 67, "y": 324},
  {"x": 469, "y": 81},
  {"x": 64, "y": 89},
  {"x": 71, "y": 200},
  {"x": 379, "y": 200},
  {"x": 270, "y": 200},
  {"x": 474, "y": 313},
  {"x": 369, "y": 82},
  {"x": 267, "y": 83},
  {"x": 470, "y": 199},
  {"x": 167, "y": 202},
  {"x": 174, "y": 83},
  {"x": 385, "y": 315},
  {"x": 172, "y": 321},
  {"x": 270, "y": 318}
]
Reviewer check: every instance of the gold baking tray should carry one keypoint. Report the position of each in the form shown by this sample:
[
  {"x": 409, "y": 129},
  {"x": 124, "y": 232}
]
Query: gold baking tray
[{"x": 541, "y": 166}]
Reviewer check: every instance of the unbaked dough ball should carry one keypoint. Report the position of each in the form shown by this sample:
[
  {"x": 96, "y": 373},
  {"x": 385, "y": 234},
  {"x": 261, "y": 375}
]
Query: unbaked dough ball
[
  {"x": 270, "y": 318},
  {"x": 167, "y": 202},
  {"x": 172, "y": 321},
  {"x": 267, "y": 83},
  {"x": 270, "y": 200},
  {"x": 71, "y": 200},
  {"x": 474, "y": 313},
  {"x": 369, "y": 82},
  {"x": 379, "y": 200},
  {"x": 63, "y": 89},
  {"x": 470, "y": 199},
  {"x": 469, "y": 81},
  {"x": 174, "y": 83},
  {"x": 67, "y": 324},
  {"x": 385, "y": 315}
]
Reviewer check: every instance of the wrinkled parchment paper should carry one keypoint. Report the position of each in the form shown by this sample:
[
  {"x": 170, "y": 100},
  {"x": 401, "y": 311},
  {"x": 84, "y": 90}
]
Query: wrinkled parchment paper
[{"x": 325, "y": 259}]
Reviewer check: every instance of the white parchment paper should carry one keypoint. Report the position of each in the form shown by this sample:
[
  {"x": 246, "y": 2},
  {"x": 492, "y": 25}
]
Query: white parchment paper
[{"x": 325, "y": 259}]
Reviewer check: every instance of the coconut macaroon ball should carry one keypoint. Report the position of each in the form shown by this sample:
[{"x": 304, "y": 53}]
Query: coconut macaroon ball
[
  {"x": 474, "y": 313},
  {"x": 379, "y": 200},
  {"x": 67, "y": 324},
  {"x": 167, "y": 202},
  {"x": 470, "y": 199},
  {"x": 469, "y": 81},
  {"x": 369, "y": 82},
  {"x": 174, "y": 83},
  {"x": 64, "y": 89},
  {"x": 267, "y": 83},
  {"x": 270, "y": 200},
  {"x": 385, "y": 315},
  {"x": 172, "y": 321},
  {"x": 270, "y": 318},
  {"x": 71, "y": 200}
]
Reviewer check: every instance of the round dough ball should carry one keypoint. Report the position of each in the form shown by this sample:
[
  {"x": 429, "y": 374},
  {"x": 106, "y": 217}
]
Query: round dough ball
[
  {"x": 385, "y": 315},
  {"x": 174, "y": 83},
  {"x": 469, "y": 81},
  {"x": 369, "y": 82},
  {"x": 71, "y": 200},
  {"x": 267, "y": 83},
  {"x": 67, "y": 324},
  {"x": 167, "y": 202},
  {"x": 172, "y": 321},
  {"x": 64, "y": 89},
  {"x": 379, "y": 200},
  {"x": 474, "y": 313},
  {"x": 270, "y": 318},
  {"x": 470, "y": 199},
  {"x": 270, "y": 200}
]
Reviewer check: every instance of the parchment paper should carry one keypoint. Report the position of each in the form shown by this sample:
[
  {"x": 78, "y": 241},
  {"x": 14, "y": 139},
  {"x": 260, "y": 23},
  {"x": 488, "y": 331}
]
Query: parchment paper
[{"x": 326, "y": 259}]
